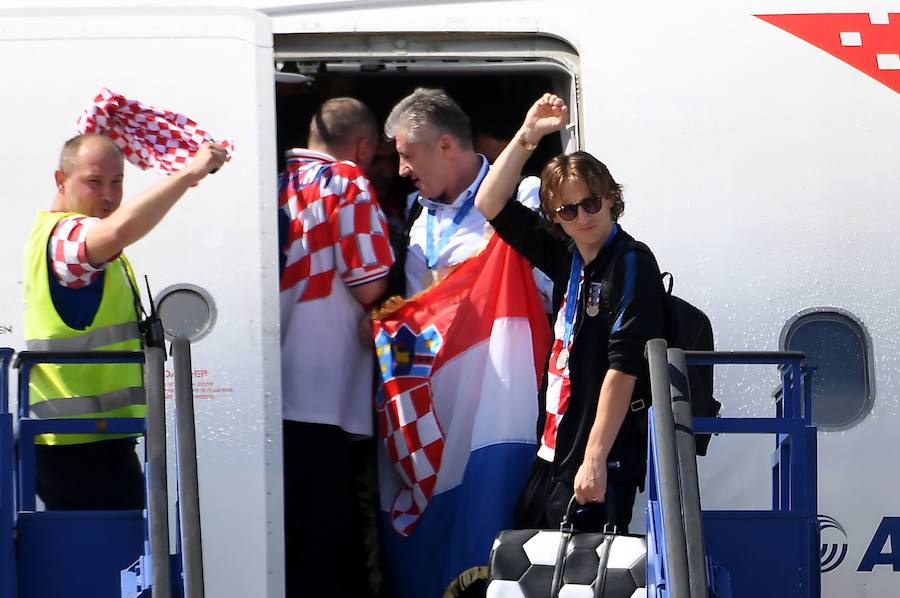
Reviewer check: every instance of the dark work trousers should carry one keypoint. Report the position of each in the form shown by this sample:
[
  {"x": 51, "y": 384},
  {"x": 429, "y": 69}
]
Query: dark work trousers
[
  {"x": 324, "y": 554},
  {"x": 94, "y": 476},
  {"x": 542, "y": 503}
]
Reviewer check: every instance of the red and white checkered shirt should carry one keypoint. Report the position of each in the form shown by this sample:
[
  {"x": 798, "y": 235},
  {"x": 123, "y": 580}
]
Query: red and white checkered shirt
[
  {"x": 559, "y": 385},
  {"x": 68, "y": 252},
  {"x": 333, "y": 237},
  {"x": 335, "y": 224}
]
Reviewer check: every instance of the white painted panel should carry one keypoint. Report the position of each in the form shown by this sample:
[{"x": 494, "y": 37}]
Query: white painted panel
[{"x": 215, "y": 67}]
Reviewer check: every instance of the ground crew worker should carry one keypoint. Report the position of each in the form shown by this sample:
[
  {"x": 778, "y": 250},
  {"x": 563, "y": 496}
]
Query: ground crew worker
[{"x": 80, "y": 294}]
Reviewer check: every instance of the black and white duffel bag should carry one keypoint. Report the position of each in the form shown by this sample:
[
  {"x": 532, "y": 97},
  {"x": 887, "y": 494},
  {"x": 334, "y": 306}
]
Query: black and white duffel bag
[{"x": 566, "y": 563}]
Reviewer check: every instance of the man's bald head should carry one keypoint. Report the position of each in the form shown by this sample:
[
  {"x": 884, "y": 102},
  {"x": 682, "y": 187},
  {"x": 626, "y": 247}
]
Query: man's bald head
[
  {"x": 68, "y": 157},
  {"x": 89, "y": 178},
  {"x": 338, "y": 126}
]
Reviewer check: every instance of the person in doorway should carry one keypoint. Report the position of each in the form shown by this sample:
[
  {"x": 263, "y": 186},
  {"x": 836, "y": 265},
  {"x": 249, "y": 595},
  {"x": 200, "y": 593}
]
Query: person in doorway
[
  {"x": 434, "y": 141},
  {"x": 335, "y": 256},
  {"x": 608, "y": 304}
]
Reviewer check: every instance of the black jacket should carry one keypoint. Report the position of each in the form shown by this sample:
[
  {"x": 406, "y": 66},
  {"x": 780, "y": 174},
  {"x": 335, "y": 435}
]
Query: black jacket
[{"x": 614, "y": 338}]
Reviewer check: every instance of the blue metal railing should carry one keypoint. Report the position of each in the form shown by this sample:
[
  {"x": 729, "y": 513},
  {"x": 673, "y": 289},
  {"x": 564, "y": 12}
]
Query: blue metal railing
[
  {"x": 88, "y": 548},
  {"x": 765, "y": 553},
  {"x": 7, "y": 492},
  {"x": 30, "y": 427}
]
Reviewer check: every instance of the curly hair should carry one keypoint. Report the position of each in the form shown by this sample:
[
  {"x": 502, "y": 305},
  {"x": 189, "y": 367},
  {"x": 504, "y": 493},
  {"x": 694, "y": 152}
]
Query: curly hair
[{"x": 580, "y": 166}]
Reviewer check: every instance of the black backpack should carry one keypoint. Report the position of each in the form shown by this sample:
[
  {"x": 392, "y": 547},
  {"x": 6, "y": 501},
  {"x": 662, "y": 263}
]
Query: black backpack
[{"x": 688, "y": 328}]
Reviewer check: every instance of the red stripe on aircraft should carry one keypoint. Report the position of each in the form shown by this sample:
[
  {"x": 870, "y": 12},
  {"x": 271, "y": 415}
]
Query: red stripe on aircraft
[{"x": 863, "y": 41}]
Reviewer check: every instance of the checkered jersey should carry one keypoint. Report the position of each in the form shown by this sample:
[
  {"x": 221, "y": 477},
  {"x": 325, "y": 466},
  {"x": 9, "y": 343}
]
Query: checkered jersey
[
  {"x": 414, "y": 441},
  {"x": 559, "y": 386},
  {"x": 334, "y": 224},
  {"x": 148, "y": 137},
  {"x": 68, "y": 252}
]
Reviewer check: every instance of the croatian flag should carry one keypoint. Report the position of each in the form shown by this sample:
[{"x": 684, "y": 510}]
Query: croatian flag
[{"x": 461, "y": 364}]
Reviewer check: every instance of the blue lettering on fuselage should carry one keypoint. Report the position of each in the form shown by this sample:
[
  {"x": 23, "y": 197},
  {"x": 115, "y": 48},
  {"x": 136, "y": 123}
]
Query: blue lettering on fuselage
[{"x": 875, "y": 553}]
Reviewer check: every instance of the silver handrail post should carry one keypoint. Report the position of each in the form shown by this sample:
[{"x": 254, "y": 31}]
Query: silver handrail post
[
  {"x": 157, "y": 483},
  {"x": 687, "y": 468},
  {"x": 189, "y": 492},
  {"x": 669, "y": 494}
]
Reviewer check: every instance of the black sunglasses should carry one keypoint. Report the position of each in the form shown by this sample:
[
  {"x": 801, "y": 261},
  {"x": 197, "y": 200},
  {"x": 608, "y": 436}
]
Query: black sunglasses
[{"x": 569, "y": 212}]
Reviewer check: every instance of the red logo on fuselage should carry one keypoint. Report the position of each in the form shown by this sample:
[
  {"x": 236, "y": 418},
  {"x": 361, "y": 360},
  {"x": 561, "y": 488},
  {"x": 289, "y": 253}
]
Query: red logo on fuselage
[{"x": 869, "y": 42}]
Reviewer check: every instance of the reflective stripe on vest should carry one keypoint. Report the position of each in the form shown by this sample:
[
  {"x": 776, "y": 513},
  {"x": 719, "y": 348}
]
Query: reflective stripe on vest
[
  {"x": 100, "y": 390},
  {"x": 95, "y": 339},
  {"x": 81, "y": 406}
]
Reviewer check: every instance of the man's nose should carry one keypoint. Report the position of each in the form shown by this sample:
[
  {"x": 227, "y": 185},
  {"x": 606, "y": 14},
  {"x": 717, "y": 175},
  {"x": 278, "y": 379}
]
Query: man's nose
[
  {"x": 583, "y": 216},
  {"x": 404, "y": 169}
]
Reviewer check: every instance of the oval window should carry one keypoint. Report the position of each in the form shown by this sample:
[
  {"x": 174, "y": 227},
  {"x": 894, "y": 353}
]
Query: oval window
[{"x": 838, "y": 351}]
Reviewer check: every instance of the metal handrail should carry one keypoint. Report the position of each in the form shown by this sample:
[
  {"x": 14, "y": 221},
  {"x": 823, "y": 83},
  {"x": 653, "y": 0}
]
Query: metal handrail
[
  {"x": 26, "y": 360},
  {"x": 676, "y": 560},
  {"x": 794, "y": 467},
  {"x": 153, "y": 428},
  {"x": 687, "y": 472},
  {"x": 188, "y": 485},
  {"x": 7, "y": 492},
  {"x": 6, "y": 355},
  {"x": 156, "y": 472}
]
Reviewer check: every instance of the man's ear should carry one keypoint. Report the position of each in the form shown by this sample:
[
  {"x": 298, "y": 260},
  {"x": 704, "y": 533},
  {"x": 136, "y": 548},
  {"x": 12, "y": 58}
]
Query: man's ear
[
  {"x": 60, "y": 179},
  {"x": 447, "y": 143},
  {"x": 364, "y": 152}
]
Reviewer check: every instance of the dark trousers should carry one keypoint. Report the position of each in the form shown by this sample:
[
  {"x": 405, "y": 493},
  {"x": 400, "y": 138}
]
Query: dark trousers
[
  {"x": 324, "y": 554},
  {"x": 95, "y": 476},
  {"x": 543, "y": 501}
]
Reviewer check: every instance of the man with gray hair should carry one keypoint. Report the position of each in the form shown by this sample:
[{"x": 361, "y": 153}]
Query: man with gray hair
[
  {"x": 434, "y": 142},
  {"x": 334, "y": 258}
]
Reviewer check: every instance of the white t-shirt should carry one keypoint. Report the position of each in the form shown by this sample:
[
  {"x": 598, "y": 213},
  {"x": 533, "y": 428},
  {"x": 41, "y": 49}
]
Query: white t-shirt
[{"x": 468, "y": 238}]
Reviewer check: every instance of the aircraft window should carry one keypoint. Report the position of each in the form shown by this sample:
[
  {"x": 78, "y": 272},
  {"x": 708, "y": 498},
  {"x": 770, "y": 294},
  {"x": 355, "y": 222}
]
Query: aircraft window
[{"x": 838, "y": 349}]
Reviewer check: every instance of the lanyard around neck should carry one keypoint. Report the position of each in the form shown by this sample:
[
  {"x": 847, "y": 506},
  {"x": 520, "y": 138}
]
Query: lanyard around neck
[
  {"x": 572, "y": 297},
  {"x": 574, "y": 288},
  {"x": 432, "y": 252}
]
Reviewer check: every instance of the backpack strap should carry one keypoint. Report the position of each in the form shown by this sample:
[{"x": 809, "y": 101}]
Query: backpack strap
[{"x": 619, "y": 250}]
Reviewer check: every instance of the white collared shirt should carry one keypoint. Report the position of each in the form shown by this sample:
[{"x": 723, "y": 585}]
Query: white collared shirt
[{"x": 468, "y": 239}]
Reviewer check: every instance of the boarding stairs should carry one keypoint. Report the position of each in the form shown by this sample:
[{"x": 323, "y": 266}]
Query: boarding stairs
[
  {"x": 692, "y": 553},
  {"x": 697, "y": 553},
  {"x": 100, "y": 554}
]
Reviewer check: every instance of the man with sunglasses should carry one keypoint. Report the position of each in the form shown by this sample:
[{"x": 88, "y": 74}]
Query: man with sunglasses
[{"x": 607, "y": 304}]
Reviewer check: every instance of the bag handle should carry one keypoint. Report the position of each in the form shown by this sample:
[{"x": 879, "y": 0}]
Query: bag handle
[
  {"x": 568, "y": 521},
  {"x": 567, "y": 530},
  {"x": 602, "y": 567}
]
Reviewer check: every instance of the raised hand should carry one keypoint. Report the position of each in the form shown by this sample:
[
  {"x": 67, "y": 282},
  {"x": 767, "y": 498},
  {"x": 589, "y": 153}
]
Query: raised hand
[
  {"x": 547, "y": 115},
  {"x": 208, "y": 159}
]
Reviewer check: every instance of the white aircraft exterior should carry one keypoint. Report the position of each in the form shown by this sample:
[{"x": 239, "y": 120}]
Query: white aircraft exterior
[{"x": 758, "y": 143}]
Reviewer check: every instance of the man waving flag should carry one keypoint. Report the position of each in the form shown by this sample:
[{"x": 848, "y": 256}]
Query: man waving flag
[{"x": 461, "y": 364}]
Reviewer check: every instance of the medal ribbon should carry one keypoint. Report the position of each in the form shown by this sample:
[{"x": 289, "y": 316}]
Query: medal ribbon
[
  {"x": 574, "y": 290},
  {"x": 572, "y": 299},
  {"x": 432, "y": 253}
]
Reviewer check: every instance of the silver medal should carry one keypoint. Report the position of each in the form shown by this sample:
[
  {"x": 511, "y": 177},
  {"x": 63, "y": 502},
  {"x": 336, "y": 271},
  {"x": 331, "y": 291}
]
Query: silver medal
[
  {"x": 593, "y": 299},
  {"x": 562, "y": 360}
]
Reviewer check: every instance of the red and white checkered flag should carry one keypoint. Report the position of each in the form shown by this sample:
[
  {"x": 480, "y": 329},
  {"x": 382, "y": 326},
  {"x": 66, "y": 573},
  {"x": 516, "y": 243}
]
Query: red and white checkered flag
[
  {"x": 148, "y": 137},
  {"x": 414, "y": 440}
]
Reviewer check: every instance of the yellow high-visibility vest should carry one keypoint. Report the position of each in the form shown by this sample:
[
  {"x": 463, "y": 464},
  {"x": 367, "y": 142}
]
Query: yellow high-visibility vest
[{"x": 81, "y": 390}]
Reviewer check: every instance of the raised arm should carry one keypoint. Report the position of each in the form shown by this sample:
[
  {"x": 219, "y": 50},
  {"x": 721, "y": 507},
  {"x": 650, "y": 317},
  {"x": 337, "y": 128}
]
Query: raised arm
[
  {"x": 547, "y": 115},
  {"x": 137, "y": 217}
]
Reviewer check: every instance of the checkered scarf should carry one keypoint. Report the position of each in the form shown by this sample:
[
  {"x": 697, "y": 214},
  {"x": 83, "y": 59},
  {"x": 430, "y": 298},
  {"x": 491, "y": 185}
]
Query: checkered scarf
[{"x": 148, "y": 137}]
